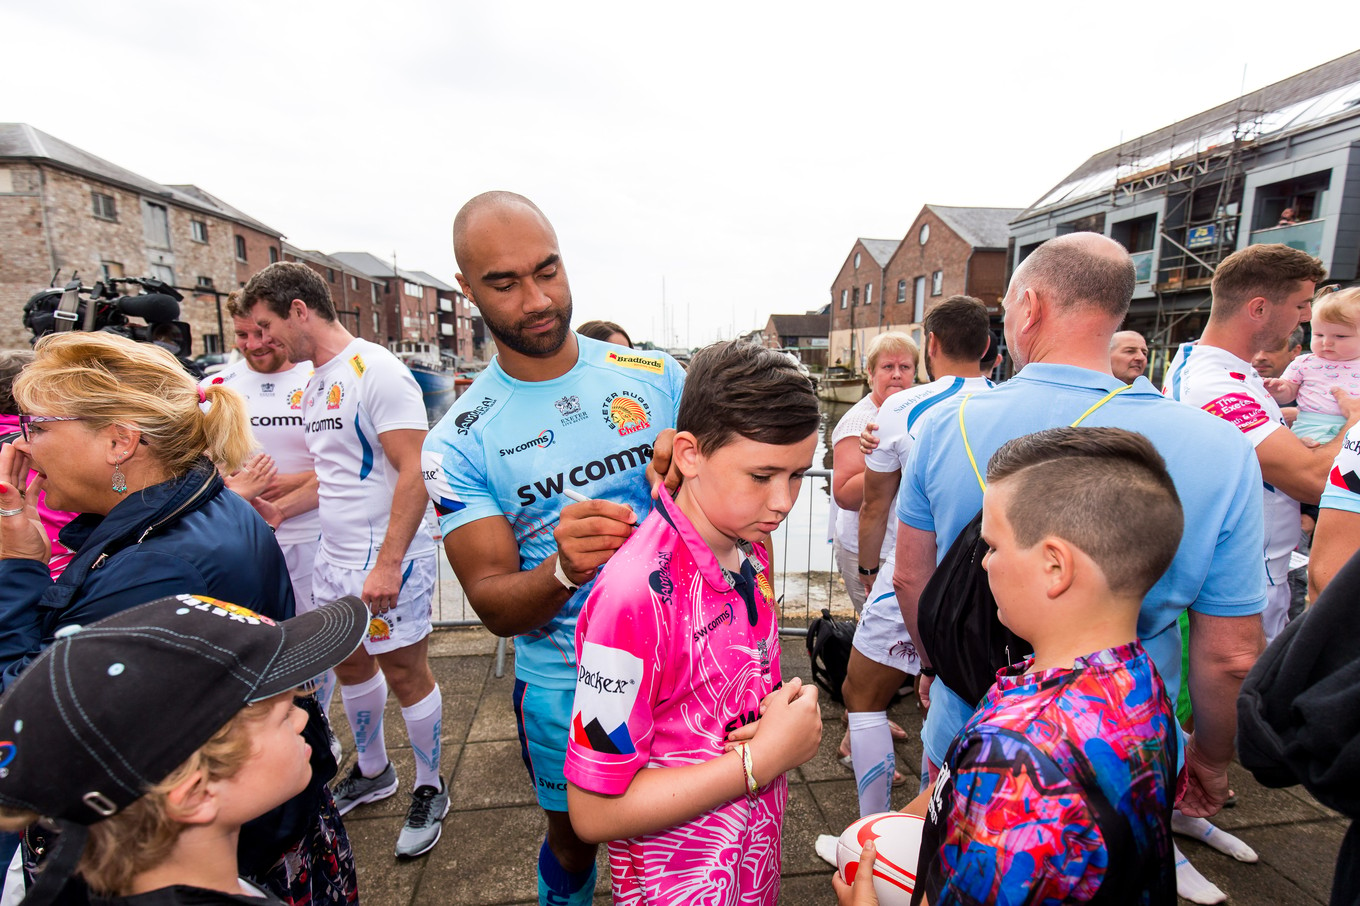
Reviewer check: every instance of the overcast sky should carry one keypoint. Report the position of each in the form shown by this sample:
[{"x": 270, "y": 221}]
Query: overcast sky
[{"x": 732, "y": 150}]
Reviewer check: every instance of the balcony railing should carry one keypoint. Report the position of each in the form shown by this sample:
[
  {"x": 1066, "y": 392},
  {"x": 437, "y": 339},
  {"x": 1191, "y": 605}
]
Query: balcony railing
[{"x": 1306, "y": 236}]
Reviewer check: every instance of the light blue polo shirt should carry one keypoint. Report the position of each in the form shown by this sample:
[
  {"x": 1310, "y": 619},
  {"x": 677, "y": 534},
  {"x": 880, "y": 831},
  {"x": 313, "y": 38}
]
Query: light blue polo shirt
[{"x": 1217, "y": 570}]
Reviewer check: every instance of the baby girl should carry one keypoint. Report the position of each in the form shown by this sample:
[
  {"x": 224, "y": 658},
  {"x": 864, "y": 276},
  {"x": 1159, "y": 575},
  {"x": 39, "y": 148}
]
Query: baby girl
[{"x": 1334, "y": 362}]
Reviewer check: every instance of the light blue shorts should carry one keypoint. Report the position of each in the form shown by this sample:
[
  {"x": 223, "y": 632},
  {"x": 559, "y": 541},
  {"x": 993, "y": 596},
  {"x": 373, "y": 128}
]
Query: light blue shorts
[{"x": 544, "y": 717}]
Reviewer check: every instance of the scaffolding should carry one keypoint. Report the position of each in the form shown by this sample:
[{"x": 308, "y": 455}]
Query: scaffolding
[{"x": 1198, "y": 224}]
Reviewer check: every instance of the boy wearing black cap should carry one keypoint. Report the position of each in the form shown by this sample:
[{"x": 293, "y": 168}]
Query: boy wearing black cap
[{"x": 150, "y": 737}]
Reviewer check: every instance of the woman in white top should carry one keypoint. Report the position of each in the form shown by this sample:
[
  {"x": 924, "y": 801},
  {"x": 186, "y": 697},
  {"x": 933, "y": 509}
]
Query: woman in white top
[{"x": 892, "y": 367}]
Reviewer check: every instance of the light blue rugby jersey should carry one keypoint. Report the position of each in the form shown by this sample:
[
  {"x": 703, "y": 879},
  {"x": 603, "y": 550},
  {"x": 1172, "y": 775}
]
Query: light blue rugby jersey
[{"x": 509, "y": 448}]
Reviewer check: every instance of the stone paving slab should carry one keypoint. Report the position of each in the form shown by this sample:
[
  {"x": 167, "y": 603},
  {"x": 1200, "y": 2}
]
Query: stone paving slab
[{"x": 494, "y": 828}]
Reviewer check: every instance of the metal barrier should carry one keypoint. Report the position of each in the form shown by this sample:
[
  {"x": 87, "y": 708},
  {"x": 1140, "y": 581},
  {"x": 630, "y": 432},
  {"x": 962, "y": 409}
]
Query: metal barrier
[{"x": 804, "y": 571}]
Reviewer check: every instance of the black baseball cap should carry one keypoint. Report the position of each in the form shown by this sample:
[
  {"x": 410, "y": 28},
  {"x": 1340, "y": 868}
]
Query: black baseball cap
[{"x": 114, "y": 707}]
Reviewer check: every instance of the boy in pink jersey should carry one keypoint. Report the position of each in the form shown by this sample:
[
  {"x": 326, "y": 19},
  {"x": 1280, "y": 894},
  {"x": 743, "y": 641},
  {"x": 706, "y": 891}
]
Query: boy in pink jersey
[{"x": 678, "y": 647}]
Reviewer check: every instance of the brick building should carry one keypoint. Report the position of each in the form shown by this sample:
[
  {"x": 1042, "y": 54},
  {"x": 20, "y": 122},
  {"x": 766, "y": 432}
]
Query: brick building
[
  {"x": 947, "y": 251},
  {"x": 357, "y": 296},
  {"x": 856, "y": 294},
  {"x": 805, "y": 335},
  {"x": 887, "y": 285},
  {"x": 254, "y": 245},
  {"x": 66, "y": 212}
]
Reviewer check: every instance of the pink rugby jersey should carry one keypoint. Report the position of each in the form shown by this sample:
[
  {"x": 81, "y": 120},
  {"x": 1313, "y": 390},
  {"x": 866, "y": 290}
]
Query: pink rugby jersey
[{"x": 673, "y": 652}]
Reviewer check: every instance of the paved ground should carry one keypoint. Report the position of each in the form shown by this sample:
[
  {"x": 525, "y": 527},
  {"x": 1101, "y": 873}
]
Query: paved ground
[{"x": 493, "y": 832}]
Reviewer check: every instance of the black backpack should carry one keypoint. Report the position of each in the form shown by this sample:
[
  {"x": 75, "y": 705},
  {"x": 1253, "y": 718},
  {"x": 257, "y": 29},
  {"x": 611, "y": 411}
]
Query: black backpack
[
  {"x": 829, "y": 641},
  {"x": 956, "y": 616}
]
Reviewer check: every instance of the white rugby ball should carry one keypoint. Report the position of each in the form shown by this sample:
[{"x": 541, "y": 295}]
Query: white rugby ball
[{"x": 897, "y": 838}]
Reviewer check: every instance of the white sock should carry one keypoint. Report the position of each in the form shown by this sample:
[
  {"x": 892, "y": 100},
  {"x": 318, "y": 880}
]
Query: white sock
[
  {"x": 871, "y": 754},
  {"x": 364, "y": 703},
  {"x": 1219, "y": 839},
  {"x": 1194, "y": 886},
  {"x": 825, "y": 846},
  {"x": 423, "y": 721},
  {"x": 325, "y": 690}
]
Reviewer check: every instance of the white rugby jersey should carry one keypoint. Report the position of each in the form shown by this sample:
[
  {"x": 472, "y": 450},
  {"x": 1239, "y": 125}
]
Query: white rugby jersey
[
  {"x": 349, "y": 402},
  {"x": 275, "y": 404}
]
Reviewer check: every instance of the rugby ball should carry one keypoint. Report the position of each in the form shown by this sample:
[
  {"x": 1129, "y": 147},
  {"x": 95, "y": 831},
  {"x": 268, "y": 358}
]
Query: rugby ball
[{"x": 897, "y": 838}]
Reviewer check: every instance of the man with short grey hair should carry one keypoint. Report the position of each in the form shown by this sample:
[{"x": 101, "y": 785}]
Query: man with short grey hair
[
  {"x": 1128, "y": 355},
  {"x": 1064, "y": 303}
]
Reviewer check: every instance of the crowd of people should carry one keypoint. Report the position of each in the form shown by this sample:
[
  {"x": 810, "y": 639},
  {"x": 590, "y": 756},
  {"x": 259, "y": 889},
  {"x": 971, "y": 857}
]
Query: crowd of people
[{"x": 1129, "y": 547}]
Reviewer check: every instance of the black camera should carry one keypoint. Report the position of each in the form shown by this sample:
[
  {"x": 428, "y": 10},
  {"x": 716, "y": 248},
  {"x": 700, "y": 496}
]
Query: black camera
[{"x": 105, "y": 307}]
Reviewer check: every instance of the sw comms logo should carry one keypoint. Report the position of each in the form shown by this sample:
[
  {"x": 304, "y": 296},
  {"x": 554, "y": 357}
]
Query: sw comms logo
[
  {"x": 544, "y": 439},
  {"x": 626, "y": 412}
]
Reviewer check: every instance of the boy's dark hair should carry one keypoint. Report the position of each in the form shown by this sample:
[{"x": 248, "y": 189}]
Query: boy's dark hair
[
  {"x": 280, "y": 283},
  {"x": 735, "y": 388},
  {"x": 1104, "y": 490},
  {"x": 961, "y": 326}
]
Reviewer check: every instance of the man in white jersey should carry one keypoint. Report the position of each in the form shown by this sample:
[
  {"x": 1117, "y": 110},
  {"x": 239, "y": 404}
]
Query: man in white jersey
[
  {"x": 272, "y": 387},
  {"x": 554, "y": 413},
  {"x": 884, "y": 654},
  {"x": 365, "y": 421},
  {"x": 1260, "y": 295}
]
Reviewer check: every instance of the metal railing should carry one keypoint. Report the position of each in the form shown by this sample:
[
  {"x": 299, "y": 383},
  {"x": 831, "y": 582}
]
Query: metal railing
[{"x": 805, "y": 578}]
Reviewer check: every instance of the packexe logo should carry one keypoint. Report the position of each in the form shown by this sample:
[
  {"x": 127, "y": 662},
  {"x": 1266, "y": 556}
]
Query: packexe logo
[
  {"x": 581, "y": 476},
  {"x": 601, "y": 683}
]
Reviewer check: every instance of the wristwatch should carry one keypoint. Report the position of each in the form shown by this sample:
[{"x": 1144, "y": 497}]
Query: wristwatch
[{"x": 561, "y": 575}]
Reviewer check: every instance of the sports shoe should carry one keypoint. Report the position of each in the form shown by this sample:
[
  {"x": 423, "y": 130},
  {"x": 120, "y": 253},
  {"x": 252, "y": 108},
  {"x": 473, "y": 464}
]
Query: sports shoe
[
  {"x": 356, "y": 789},
  {"x": 424, "y": 821}
]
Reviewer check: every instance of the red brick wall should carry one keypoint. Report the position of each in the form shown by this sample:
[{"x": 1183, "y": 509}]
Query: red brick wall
[
  {"x": 942, "y": 251},
  {"x": 987, "y": 278},
  {"x": 257, "y": 258}
]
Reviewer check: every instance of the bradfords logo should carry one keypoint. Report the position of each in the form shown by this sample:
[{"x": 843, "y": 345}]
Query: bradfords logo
[
  {"x": 627, "y": 412},
  {"x": 334, "y": 396},
  {"x": 569, "y": 407},
  {"x": 544, "y": 439},
  {"x": 640, "y": 362},
  {"x": 465, "y": 420},
  {"x": 607, "y": 683}
]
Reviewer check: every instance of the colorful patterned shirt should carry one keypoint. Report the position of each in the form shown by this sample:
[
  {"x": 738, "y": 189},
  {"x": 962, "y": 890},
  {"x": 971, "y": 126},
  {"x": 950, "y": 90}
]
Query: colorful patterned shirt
[
  {"x": 675, "y": 652},
  {"x": 1059, "y": 788}
]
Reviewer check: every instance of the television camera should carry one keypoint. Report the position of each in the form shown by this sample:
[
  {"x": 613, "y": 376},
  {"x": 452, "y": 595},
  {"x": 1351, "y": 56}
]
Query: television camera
[{"x": 106, "y": 307}]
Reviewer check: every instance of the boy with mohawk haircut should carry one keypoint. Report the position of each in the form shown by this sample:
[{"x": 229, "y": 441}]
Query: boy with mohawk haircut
[
  {"x": 1060, "y": 787},
  {"x": 682, "y": 729},
  {"x": 148, "y": 779}
]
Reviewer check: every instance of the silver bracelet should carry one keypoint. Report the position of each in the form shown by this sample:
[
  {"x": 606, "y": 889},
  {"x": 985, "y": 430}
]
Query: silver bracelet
[{"x": 17, "y": 511}]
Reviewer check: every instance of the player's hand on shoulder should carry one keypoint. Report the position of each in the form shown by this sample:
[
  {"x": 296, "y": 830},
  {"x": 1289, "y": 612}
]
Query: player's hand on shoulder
[
  {"x": 868, "y": 438},
  {"x": 588, "y": 533},
  {"x": 663, "y": 466}
]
